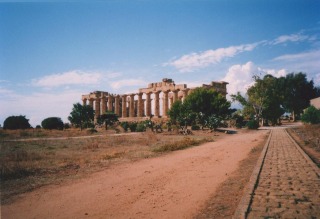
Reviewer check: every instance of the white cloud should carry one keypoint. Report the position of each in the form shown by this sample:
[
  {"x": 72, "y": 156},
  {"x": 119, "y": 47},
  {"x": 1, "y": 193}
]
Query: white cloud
[
  {"x": 300, "y": 56},
  {"x": 240, "y": 77},
  {"x": 5, "y": 91},
  {"x": 187, "y": 63},
  {"x": 128, "y": 83},
  {"x": 290, "y": 38},
  {"x": 75, "y": 77},
  {"x": 276, "y": 73},
  {"x": 307, "y": 62}
]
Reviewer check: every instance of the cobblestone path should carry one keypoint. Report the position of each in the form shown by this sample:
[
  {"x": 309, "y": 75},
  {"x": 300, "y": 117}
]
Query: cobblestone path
[{"x": 288, "y": 185}]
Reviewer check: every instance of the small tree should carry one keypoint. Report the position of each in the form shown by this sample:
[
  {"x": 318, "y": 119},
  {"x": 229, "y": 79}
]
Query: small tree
[
  {"x": 81, "y": 116},
  {"x": 311, "y": 115},
  {"x": 52, "y": 123},
  {"x": 16, "y": 122},
  {"x": 214, "y": 122},
  {"x": 109, "y": 118}
]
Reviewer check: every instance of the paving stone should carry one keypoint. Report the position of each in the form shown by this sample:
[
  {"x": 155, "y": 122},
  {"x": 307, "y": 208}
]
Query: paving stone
[{"x": 288, "y": 186}]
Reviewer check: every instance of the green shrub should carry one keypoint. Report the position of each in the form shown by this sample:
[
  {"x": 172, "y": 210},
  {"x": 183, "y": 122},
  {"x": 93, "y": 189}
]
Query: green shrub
[
  {"x": 195, "y": 127},
  {"x": 133, "y": 126},
  {"x": 125, "y": 126},
  {"x": 52, "y": 123},
  {"x": 66, "y": 125},
  {"x": 16, "y": 122},
  {"x": 141, "y": 127},
  {"x": 252, "y": 124},
  {"x": 311, "y": 115}
]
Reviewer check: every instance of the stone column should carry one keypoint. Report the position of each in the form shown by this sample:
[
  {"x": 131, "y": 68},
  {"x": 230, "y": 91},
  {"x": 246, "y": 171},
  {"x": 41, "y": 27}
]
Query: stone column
[
  {"x": 140, "y": 105},
  {"x": 156, "y": 104},
  {"x": 97, "y": 108},
  {"x": 84, "y": 102},
  {"x": 131, "y": 109},
  {"x": 110, "y": 98},
  {"x": 91, "y": 102},
  {"x": 148, "y": 104},
  {"x": 185, "y": 94},
  {"x": 143, "y": 110},
  {"x": 117, "y": 105},
  {"x": 124, "y": 106},
  {"x": 165, "y": 103},
  {"x": 103, "y": 104},
  {"x": 175, "y": 95},
  {"x": 171, "y": 101}
]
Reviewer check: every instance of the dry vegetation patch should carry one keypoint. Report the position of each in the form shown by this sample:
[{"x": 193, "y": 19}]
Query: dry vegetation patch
[
  {"x": 26, "y": 165},
  {"x": 308, "y": 137}
]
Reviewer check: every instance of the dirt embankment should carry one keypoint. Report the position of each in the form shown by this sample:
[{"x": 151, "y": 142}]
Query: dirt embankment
[{"x": 176, "y": 185}]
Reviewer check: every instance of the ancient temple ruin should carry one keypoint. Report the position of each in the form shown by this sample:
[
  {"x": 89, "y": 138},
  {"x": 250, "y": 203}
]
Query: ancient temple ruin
[{"x": 154, "y": 100}]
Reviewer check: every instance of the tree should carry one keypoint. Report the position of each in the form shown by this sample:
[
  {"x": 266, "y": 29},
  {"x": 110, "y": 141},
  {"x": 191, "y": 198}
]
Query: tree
[
  {"x": 52, "y": 123},
  {"x": 272, "y": 106},
  {"x": 81, "y": 116},
  {"x": 247, "y": 107},
  {"x": 208, "y": 102},
  {"x": 16, "y": 122},
  {"x": 198, "y": 107},
  {"x": 297, "y": 92},
  {"x": 311, "y": 115},
  {"x": 264, "y": 100},
  {"x": 109, "y": 118}
]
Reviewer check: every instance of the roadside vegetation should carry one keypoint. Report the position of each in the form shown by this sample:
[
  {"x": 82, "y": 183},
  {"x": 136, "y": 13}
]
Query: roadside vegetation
[
  {"x": 308, "y": 138},
  {"x": 270, "y": 97}
]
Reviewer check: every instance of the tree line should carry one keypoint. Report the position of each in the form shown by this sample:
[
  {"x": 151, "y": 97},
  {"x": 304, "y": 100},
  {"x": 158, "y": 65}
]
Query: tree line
[{"x": 270, "y": 97}]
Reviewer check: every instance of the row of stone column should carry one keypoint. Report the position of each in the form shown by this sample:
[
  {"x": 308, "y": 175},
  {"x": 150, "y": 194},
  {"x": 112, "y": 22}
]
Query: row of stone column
[{"x": 137, "y": 108}]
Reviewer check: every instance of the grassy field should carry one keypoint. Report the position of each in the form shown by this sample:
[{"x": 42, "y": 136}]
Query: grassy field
[{"x": 39, "y": 160}]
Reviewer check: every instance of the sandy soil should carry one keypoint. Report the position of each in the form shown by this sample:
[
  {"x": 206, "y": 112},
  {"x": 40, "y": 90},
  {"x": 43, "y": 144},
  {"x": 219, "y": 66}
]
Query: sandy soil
[{"x": 176, "y": 185}]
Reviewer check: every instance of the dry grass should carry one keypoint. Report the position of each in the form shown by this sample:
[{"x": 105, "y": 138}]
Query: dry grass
[
  {"x": 180, "y": 145},
  {"x": 40, "y": 133},
  {"x": 308, "y": 138},
  {"x": 26, "y": 165}
]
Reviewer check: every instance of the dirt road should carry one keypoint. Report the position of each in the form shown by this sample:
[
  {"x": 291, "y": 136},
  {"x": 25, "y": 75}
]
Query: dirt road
[{"x": 175, "y": 185}]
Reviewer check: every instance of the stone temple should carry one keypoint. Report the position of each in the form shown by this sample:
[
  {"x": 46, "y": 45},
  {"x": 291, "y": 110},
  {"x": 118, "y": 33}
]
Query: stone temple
[{"x": 154, "y": 100}]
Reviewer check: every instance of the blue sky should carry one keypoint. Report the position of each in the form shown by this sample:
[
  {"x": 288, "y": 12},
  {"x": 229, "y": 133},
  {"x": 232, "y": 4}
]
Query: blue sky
[{"x": 52, "y": 52}]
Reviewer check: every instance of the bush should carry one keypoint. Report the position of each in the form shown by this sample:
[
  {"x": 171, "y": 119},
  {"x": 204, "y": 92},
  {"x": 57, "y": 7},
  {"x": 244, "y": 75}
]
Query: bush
[
  {"x": 141, "y": 127},
  {"x": 125, "y": 126},
  {"x": 133, "y": 126},
  {"x": 38, "y": 127},
  {"x": 195, "y": 127},
  {"x": 311, "y": 115},
  {"x": 252, "y": 124},
  {"x": 66, "y": 126},
  {"x": 52, "y": 123},
  {"x": 16, "y": 122}
]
